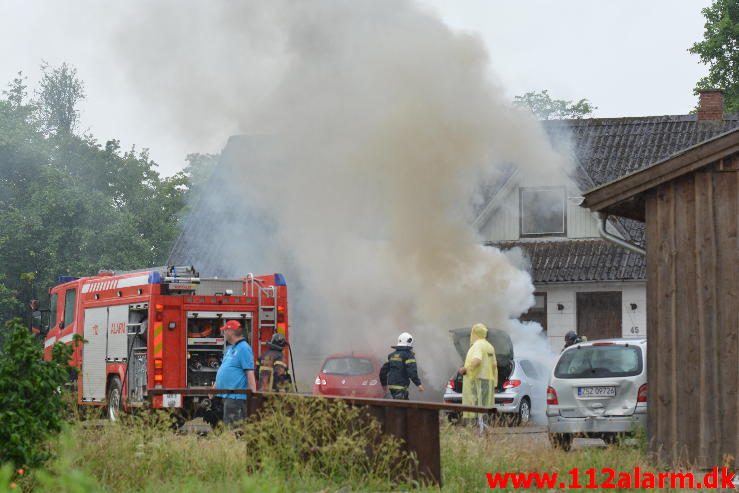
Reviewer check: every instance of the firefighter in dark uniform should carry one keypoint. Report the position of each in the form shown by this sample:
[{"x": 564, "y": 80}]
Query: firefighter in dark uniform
[
  {"x": 273, "y": 374},
  {"x": 401, "y": 369},
  {"x": 571, "y": 338}
]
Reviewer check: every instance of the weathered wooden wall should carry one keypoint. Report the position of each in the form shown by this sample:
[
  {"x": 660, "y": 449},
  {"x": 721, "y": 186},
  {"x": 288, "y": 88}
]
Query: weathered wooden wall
[{"x": 693, "y": 302}]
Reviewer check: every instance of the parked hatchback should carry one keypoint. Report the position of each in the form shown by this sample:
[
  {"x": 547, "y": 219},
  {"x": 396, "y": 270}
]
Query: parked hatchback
[
  {"x": 598, "y": 389},
  {"x": 514, "y": 395},
  {"x": 349, "y": 375}
]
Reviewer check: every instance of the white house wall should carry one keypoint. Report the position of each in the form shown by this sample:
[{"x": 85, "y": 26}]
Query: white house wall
[
  {"x": 503, "y": 225},
  {"x": 559, "y": 322}
]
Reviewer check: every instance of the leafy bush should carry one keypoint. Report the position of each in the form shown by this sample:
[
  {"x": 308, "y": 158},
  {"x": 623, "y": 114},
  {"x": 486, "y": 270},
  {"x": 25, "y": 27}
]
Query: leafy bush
[
  {"x": 329, "y": 439},
  {"x": 31, "y": 402}
]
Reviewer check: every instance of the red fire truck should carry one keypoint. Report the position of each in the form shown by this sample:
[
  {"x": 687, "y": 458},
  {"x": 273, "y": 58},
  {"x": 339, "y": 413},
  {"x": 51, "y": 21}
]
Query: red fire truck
[{"x": 158, "y": 328}]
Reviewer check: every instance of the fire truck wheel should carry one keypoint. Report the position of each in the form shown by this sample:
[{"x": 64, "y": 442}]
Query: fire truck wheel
[{"x": 114, "y": 398}]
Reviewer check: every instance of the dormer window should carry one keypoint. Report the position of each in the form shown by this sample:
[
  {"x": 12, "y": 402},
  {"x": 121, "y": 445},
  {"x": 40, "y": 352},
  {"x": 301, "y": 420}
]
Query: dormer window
[{"x": 543, "y": 211}]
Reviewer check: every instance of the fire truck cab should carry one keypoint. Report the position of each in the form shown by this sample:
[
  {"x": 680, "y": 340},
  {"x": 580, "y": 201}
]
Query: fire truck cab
[{"x": 158, "y": 328}]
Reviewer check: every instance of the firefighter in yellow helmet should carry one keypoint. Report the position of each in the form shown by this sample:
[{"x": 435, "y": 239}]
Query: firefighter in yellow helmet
[{"x": 480, "y": 371}]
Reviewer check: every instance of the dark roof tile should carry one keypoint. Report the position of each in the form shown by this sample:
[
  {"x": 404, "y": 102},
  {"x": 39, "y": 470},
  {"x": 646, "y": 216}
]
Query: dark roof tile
[{"x": 587, "y": 260}]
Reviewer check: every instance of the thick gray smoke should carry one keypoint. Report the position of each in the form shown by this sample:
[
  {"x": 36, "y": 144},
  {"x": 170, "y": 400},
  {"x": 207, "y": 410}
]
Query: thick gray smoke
[{"x": 381, "y": 124}]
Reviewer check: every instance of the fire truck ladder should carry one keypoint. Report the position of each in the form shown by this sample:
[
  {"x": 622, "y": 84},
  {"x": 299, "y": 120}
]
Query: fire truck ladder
[{"x": 267, "y": 313}]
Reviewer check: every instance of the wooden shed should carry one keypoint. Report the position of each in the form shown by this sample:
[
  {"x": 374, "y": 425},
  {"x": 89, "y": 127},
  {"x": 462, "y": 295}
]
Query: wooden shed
[{"x": 689, "y": 204}]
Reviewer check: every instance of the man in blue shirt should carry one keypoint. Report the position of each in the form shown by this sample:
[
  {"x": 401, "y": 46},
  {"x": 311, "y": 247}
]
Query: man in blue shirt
[{"x": 236, "y": 372}]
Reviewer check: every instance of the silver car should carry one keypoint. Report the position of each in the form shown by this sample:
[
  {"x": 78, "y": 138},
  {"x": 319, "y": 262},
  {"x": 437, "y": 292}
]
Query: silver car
[
  {"x": 513, "y": 396},
  {"x": 598, "y": 389}
]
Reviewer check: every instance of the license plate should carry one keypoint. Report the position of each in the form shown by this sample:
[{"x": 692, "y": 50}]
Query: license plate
[
  {"x": 596, "y": 391},
  {"x": 172, "y": 400}
]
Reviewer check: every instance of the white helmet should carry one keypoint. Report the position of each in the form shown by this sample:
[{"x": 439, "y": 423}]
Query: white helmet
[{"x": 405, "y": 340}]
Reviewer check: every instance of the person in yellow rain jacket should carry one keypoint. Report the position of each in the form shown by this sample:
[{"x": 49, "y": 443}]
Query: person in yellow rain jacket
[{"x": 480, "y": 371}]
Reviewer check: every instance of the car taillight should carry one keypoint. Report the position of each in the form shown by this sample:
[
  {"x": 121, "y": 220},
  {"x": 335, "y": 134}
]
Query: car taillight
[
  {"x": 552, "y": 397},
  {"x": 373, "y": 382},
  {"x": 450, "y": 384},
  {"x": 642, "y": 395},
  {"x": 509, "y": 384}
]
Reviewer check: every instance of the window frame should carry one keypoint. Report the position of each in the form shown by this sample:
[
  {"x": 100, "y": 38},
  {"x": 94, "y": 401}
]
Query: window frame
[
  {"x": 53, "y": 312},
  {"x": 521, "y": 192},
  {"x": 527, "y": 317},
  {"x": 66, "y": 305}
]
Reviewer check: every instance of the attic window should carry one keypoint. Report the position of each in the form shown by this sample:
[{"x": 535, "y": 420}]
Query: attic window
[{"x": 543, "y": 211}]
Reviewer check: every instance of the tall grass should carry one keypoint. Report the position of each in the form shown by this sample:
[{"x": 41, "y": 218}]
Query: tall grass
[
  {"x": 317, "y": 446},
  {"x": 466, "y": 457},
  {"x": 296, "y": 446}
]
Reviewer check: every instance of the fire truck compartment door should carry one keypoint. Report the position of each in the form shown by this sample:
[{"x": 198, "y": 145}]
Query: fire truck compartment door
[
  {"x": 117, "y": 333},
  {"x": 93, "y": 354}
]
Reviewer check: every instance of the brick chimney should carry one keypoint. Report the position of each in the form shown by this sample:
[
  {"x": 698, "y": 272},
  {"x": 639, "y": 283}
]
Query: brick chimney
[{"x": 711, "y": 105}]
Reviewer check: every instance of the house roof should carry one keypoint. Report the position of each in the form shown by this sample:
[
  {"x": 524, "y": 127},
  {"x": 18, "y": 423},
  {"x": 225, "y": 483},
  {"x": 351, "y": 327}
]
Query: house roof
[
  {"x": 586, "y": 260},
  {"x": 609, "y": 148},
  {"x": 624, "y": 196}
]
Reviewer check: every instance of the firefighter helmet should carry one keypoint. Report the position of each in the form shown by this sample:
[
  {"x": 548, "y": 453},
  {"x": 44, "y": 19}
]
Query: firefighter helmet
[
  {"x": 277, "y": 342},
  {"x": 571, "y": 338},
  {"x": 405, "y": 340}
]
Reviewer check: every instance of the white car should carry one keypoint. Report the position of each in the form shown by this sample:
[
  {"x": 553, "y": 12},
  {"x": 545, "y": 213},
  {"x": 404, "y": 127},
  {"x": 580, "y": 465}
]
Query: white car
[
  {"x": 513, "y": 396},
  {"x": 598, "y": 389}
]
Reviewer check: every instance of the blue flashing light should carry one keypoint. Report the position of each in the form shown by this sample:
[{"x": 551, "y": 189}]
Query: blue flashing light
[
  {"x": 280, "y": 280},
  {"x": 155, "y": 277},
  {"x": 65, "y": 279}
]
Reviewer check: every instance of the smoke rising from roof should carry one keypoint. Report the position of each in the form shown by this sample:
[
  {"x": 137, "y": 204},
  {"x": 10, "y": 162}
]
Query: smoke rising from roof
[{"x": 381, "y": 123}]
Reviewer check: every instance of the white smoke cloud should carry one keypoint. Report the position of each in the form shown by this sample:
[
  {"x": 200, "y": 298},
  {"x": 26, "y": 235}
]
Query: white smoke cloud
[{"x": 383, "y": 123}]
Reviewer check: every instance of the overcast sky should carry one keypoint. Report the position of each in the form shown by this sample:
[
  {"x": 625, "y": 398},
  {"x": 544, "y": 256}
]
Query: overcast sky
[{"x": 628, "y": 57}]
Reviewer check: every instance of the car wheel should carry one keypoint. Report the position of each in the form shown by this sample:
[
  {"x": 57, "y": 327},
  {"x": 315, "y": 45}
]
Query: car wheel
[
  {"x": 562, "y": 441},
  {"x": 113, "y": 407},
  {"x": 524, "y": 412}
]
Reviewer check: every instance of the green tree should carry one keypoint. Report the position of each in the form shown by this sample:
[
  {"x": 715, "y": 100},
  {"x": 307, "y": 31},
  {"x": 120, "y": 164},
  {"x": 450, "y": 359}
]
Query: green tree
[
  {"x": 70, "y": 205},
  {"x": 719, "y": 49},
  {"x": 31, "y": 405},
  {"x": 60, "y": 92},
  {"x": 199, "y": 169},
  {"x": 544, "y": 107}
]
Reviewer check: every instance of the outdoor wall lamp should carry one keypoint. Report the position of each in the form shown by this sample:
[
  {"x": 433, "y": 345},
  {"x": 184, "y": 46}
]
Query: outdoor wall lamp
[
  {"x": 560, "y": 306},
  {"x": 633, "y": 306}
]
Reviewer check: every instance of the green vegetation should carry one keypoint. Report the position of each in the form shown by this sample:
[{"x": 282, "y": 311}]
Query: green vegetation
[
  {"x": 314, "y": 451},
  {"x": 70, "y": 205},
  {"x": 719, "y": 49},
  {"x": 31, "y": 402},
  {"x": 544, "y": 107}
]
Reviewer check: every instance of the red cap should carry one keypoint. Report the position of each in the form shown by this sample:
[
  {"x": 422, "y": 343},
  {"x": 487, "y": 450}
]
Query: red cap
[{"x": 231, "y": 325}]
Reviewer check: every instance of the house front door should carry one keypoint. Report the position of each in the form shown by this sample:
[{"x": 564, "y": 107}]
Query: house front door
[{"x": 599, "y": 315}]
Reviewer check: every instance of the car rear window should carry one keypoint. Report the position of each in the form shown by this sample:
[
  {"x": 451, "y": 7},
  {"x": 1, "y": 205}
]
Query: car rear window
[
  {"x": 600, "y": 362},
  {"x": 348, "y": 366},
  {"x": 529, "y": 369}
]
